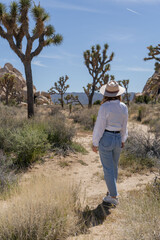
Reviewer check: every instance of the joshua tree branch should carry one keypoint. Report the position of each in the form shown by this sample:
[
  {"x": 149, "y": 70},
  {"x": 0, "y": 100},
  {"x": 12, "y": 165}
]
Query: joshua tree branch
[
  {"x": 2, "y": 33},
  {"x": 14, "y": 47},
  {"x": 39, "y": 48}
]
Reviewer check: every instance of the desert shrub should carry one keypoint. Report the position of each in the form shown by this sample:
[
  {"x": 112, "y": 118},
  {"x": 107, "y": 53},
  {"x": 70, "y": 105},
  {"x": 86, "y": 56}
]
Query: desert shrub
[
  {"x": 59, "y": 134},
  {"x": 55, "y": 109},
  {"x": 142, "y": 150},
  {"x": 143, "y": 99},
  {"x": 141, "y": 213},
  {"x": 45, "y": 208},
  {"x": 85, "y": 117},
  {"x": 77, "y": 147},
  {"x": 7, "y": 175},
  {"x": 28, "y": 143},
  {"x": 98, "y": 102},
  {"x": 142, "y": 112},
  {"x": 25, "y": 143}
]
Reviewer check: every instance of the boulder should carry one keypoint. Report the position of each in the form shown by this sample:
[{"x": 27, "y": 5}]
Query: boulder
[
  {"x": 20, "y": 81},
  {"x": 46, "y": 94},
  {"x": 22, "y": 104},
  {"x": 37, "y": 94},
  {"x": 152, "y": 86},
  {"x": 40, "y": 100}
]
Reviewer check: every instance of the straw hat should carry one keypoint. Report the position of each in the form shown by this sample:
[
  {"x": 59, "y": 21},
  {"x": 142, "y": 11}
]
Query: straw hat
[{"x": 112, "y": 89}]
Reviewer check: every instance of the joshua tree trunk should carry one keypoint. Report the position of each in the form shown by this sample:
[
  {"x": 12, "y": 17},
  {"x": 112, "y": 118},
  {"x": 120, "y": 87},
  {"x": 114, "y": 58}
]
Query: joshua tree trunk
[
  {"x": 7, "y": 98},
  {"x": 30, "y": 95},
  {"x": 90, "y": 101},
  {"x": 62, "y": 102},
  {"x": 90, "y": 97}
]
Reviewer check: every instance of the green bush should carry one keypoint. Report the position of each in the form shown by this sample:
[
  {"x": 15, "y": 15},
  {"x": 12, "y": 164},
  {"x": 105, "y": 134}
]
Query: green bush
[
  {"x": 98, "y": 102},
  {"x": 27, "y": 143},
  {"x": 143, "y": 99},
  {"x": 59, "y": 134},
  {"x": 7, "y": 175},
  {"x": 86, "y": 117},
  {"x": 26, "y": 140}
]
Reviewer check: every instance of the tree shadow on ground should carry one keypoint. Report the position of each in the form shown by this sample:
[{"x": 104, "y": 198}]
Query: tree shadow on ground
[{"x": 95, "y": 217}]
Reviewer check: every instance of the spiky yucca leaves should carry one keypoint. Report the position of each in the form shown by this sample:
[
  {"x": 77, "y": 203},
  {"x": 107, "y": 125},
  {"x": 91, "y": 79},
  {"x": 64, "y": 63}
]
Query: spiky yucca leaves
[
  {"x": 154, "y": 53},
  {"x": 97, "y": 63},
  {"x": 60, "y": 87},
  {"x": 16, "y": 27}
]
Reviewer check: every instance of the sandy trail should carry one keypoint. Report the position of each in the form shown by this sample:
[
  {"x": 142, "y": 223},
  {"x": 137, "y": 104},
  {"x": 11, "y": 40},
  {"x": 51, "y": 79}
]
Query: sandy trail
[{"x": 86, "y": 171}]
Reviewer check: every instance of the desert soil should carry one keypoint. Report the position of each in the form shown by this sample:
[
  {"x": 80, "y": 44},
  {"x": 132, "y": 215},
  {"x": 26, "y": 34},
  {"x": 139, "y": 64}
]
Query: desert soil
[{"x": 86, "y": 171}]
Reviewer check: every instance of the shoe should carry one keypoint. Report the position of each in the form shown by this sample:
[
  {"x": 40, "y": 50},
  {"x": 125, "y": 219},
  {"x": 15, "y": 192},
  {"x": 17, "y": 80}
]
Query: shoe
[{"x": 109, "y": 199}]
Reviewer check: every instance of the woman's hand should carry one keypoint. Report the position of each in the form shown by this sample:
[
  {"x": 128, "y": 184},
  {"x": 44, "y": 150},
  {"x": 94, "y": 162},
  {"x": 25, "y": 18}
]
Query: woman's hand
[
  {"x": 95, "y": 149},
  {"x": 122, "y": 145}
]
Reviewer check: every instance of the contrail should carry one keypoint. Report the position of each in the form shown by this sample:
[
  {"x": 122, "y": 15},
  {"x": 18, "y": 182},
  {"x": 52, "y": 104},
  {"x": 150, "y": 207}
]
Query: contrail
[{"x": 130, "y": 10}]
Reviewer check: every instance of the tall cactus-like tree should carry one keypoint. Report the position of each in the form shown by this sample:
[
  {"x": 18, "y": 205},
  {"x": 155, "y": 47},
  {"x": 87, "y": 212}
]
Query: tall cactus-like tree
[
  {"x": 60, "y": 87},
  {"x": 154, "y": 53},
  {"x": 97, "y": 63},
  {"x": 125, "y": 84},
  {"x": 14, "y": 27},
  {"x": 70, "y": 98},
  {"x": 7, "y": 85}
]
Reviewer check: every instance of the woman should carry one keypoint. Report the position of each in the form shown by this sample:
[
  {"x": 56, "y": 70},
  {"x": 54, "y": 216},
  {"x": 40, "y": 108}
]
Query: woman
[{"x": 110, "y": 133}]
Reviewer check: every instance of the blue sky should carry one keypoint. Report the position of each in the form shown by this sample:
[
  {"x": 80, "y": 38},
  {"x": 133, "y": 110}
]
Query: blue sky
[{"x": 128, "y": 26}]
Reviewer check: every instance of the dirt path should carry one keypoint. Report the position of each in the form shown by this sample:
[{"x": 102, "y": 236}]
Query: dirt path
[{"x": 86, "y": 171}]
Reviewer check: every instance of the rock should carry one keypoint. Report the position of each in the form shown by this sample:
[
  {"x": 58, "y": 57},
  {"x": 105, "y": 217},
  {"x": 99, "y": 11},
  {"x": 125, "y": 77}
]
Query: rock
[
  {"x": 37, "y": 94},
  {"x": 22, "y": 104},
  {"x": 20, "y": 81},
  {"x": 8, "y": 67},
  {"x": 46, "y": 94},
  {"x": 42, "y": 100},
  {"x": 152, "y": 87}
]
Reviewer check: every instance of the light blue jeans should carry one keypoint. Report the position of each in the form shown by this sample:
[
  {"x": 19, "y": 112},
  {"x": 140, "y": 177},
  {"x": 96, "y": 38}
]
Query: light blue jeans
[{"x": 109, "y": 150}]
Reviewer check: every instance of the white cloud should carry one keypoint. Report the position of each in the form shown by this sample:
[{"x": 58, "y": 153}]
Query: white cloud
[
  {"x": 130, "y": 10},
  {"x": 67, "y": 6},
  {"x": 139, "y": 69},
  {"x": 62, "y": 55},
  {"x": 38, "y": 63},
  {"x": 119, "y": 37},
  {"x": 51, "y": 56},
  {"x": 131, "y": 69}
]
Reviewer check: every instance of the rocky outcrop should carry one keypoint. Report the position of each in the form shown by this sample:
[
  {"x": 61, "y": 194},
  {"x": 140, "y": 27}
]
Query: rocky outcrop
[
  {"x": 41, "y": 98},
  {"x": 152, "y": 87},
  {"x": 20, "y": 81}
]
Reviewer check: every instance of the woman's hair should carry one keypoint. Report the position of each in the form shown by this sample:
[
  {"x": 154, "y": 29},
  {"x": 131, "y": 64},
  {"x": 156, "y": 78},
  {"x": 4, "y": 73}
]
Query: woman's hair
[{"x": 107, "y": 99}]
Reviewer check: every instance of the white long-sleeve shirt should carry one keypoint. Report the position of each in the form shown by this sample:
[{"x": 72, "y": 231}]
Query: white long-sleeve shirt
[{"x": 113, "y": 116}]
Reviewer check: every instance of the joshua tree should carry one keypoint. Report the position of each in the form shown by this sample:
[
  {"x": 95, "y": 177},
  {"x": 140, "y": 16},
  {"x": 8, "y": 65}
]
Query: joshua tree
[
  {"x": 70, "y": 98},
  {"x": 14, "y": 27},
  {"x": 97, "y": 64},
  {"x": 60, "y": 88},
  {"x": 125, "y": 84},
  {"x": 153, "y": 53},
  {"x": 7, "y": 85}
]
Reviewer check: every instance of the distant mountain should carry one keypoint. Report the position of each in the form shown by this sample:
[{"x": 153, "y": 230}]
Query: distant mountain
[
  {"x": 81, "y": 95},
  {"x": 83, "y": 98}
]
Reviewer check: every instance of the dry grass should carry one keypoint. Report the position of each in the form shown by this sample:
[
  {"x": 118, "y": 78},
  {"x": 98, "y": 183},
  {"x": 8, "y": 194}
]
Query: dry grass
[
  {"x": 45, "y": 208},
  {"x": 150, "y": 113},
  {"x": 141, "y": 215}
]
